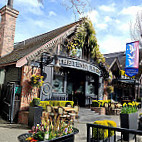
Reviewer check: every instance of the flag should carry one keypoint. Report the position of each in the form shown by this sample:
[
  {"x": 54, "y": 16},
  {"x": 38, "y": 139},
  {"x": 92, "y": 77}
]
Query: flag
[{"x": 132, "y": 58}]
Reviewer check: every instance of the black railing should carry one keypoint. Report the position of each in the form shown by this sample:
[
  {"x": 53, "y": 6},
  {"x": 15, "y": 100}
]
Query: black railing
[{"x": 114, "y": 129}]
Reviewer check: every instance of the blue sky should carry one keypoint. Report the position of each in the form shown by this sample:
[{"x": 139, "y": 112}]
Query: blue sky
[{"x": 111, "y": 19}]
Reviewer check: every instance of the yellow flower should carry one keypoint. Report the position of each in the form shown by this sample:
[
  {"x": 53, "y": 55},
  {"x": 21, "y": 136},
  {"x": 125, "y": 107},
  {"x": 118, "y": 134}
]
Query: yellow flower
[
  {"x": 130, "y": 104},
  {"x": 29, "y": 139},
  {"x": 124, "y": 104}
]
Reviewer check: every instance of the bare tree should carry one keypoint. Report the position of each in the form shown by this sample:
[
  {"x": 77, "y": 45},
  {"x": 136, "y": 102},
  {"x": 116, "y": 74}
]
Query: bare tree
[
  {"x": 136, "y": 28},
  {"x": 77, "y": 6}
]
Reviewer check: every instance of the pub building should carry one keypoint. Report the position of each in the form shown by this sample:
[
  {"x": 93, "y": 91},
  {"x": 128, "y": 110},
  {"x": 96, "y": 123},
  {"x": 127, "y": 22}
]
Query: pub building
[
  {"x": 67, "y": 76},
  {"x": 125, "y": 87}
]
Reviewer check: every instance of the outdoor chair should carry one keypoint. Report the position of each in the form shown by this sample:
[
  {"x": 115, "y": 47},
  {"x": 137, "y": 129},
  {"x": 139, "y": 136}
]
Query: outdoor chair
[
  {"x": 63, "y": 114},
  {"x": 76, "y": 108},
  {"x": 50, "y": 110},
  {"x": 106, "y": 108},
  {"x": 115, "y": 110}
]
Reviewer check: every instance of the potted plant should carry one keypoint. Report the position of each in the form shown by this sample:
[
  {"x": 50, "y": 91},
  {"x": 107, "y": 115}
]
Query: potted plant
[
  {"x": 36, "y": 102},
  {"x": 35, "y": 112},
  {"x": 128, "y": 119},
  {"x": 36, "y": 80},
  {"x": 98, "y": 106},
  {"x": 50, "y": 130},
  {"x": 103, "y": 134}
]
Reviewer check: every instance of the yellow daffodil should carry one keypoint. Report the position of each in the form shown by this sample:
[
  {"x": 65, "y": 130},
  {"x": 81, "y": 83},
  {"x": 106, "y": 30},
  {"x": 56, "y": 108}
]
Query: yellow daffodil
[
  {"x": 124, "y": 104},
  {"x": 130, "y": 104}
]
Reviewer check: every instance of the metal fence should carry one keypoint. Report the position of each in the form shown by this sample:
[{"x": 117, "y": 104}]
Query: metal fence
[{"x": 116, "y": 130}]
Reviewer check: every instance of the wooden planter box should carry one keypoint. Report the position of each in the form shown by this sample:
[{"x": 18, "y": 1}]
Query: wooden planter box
[
  {"x": 129, "y": 121},
  {"x": 100, "y": 110},
  {"x": 65, "y": 138},
  {"x": 109, "y": 139}
]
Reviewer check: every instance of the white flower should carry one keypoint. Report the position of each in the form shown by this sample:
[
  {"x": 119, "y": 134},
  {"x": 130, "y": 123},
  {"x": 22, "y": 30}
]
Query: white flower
[{"x": 46, "y": 136}]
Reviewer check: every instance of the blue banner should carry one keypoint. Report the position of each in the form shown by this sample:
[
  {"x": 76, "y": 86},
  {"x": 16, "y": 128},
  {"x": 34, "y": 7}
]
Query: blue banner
[{"x": 132, "y": 58}]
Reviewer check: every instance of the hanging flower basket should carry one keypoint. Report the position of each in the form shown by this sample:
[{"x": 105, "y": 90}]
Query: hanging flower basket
[{"x": 36, "y": 81}]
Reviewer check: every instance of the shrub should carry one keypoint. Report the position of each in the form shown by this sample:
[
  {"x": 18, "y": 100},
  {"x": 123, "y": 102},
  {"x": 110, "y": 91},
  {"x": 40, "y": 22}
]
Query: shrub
[
  {"x": 95, "y": 103},
  {"x": 99, "y": 103},
  {"x": 36, "y": 101},
  {"x": 111, "y": 124},
  {"x": 103, "y": 133}
]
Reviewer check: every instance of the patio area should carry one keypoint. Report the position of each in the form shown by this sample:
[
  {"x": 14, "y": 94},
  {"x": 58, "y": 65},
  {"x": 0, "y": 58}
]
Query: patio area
[{"x": 9, "y": 132}]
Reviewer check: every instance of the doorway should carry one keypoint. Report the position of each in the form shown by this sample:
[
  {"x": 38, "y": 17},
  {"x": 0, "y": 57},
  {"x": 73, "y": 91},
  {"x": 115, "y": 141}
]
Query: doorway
[{"x": 76, "y": 86}]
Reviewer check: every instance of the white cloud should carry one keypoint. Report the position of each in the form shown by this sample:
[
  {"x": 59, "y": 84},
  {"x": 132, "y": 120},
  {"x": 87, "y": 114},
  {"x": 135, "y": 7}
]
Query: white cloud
[
  {"x": 113, "y": 44},
  {"x": 52, "y": 13},
  {"x": 132, "y": 10},
  {"x": 108, "y": 8},
  {"x": 101, "y": 26},
  {"x": 124, "y": 27},
  {"x": 117, "y": 21},
  {"x": 33, "y": 3},
  {"x": 107, "y": 19},
  {"x": 92, "y": 15},
  {"x": 32, "y": 6}
]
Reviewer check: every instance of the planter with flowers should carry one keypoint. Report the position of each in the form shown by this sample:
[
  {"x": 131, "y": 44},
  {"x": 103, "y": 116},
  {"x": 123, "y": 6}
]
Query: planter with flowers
[
  {"x": 36, "y": 80},
  {"x": 128, "y": 119},
  {"x": 103, "y": 135},
  {"x": 50, "y": 130},
  {"x": 98, "y": 106},
  {"x": 35, "y": 112}
]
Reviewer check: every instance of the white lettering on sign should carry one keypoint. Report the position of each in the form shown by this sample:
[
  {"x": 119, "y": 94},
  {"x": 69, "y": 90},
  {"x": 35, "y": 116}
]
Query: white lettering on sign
[{"x": 79, "y": 65}]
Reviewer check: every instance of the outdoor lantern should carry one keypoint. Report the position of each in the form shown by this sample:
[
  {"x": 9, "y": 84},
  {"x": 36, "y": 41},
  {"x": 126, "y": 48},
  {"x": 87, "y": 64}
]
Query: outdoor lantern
[{"x": 46, "y": 59}]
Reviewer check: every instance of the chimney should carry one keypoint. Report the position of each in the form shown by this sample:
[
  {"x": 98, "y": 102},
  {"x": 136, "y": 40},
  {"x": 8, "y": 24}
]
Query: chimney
[{"x": 7, "y": 28}]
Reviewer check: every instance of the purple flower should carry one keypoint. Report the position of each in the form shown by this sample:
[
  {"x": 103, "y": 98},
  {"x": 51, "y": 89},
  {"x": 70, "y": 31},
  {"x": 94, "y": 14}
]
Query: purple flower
[{"x": 66, "y": 130}]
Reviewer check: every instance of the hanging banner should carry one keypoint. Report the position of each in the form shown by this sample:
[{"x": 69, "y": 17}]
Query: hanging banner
[{"x": 132, "y": 58}]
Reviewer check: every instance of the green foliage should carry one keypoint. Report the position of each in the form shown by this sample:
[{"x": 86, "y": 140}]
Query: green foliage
[
  {"x": 36, "y": 101},
  {"x": 85, "y": 37},
  {"x": 50, "y": 128},
  {"x": 130, "y": 108}
]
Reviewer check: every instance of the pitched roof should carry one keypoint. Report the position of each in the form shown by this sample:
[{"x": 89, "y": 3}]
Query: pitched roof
[
  {"x": 112, "y": 56},
  {"x": 122, "y": 57},
  {"x": 23, "y": 48}
]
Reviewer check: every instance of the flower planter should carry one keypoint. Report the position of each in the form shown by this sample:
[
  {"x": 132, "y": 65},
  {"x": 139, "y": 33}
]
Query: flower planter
[
  {"x": 100, "y": 110},
  {"x": 35, "y": 114},
  {"x": 109, "y": 139},
  {"x": 129, "y": 121},
  {"x": 65, "y": 138}
]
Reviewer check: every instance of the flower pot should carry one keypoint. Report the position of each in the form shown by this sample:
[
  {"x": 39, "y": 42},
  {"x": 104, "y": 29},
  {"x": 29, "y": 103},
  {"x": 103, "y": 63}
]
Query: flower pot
[
  {"x": 65, "y": 138},
  {"x": 35, "y": 114},
  {"x": 100, "y": 110},
  {"x": 109, "y": 139},
  {"x": 129, "y": 121}
]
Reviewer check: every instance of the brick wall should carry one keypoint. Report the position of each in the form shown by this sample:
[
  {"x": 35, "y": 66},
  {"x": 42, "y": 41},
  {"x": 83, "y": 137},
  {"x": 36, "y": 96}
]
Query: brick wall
[
  {"x": 28, "y": 92},
  {"x": 7, "y": 30}
]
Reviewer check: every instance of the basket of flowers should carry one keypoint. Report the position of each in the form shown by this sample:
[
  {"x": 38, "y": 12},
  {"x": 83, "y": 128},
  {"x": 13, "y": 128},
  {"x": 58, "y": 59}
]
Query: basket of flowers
[
  {"x": 50, "y": 130},
  {"x": 36, "y": 80}
]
